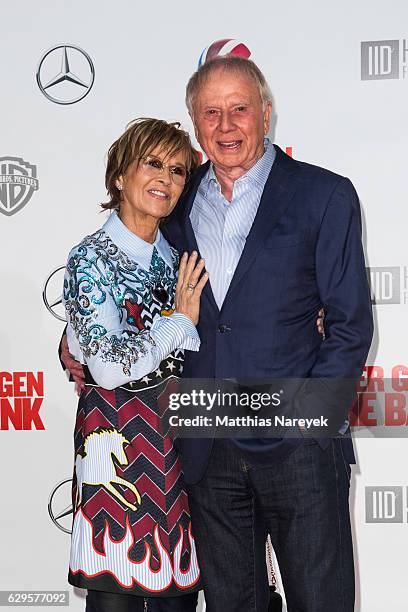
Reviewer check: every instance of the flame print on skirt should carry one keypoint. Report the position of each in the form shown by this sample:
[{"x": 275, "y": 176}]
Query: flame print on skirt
[{"x": 115, "y": 561}]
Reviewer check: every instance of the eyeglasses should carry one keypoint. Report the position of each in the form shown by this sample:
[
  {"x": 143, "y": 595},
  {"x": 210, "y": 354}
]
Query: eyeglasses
[{"x": 154, "y": 166}]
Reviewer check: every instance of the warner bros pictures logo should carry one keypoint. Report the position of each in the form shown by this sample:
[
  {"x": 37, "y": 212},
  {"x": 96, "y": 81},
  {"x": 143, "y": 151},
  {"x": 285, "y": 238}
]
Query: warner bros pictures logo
[
  {"x": 18, "y": 181},
  {"x": 383, "y": 59},
  {"x": 386, "y": 504}
]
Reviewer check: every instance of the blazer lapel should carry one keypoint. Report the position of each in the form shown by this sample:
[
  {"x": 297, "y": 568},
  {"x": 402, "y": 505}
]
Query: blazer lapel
[{"x": 277, "y": 194}]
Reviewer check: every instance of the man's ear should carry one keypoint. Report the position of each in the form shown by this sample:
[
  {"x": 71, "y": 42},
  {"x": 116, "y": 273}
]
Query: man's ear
[{"x": 195, "y": 127}]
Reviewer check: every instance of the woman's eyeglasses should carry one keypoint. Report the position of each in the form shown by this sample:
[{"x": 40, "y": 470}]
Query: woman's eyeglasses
[{"x": 154, "y": 166}]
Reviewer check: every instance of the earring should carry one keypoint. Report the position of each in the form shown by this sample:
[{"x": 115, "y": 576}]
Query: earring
[{"x": 119, "y": 186}]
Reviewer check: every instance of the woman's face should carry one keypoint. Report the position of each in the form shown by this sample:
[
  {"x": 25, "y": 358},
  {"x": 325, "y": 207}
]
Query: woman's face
[{"x": 149, "y": 192}]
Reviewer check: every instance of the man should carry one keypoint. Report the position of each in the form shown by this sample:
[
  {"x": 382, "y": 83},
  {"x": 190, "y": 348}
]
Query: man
[{"x": 280, "y": 239}]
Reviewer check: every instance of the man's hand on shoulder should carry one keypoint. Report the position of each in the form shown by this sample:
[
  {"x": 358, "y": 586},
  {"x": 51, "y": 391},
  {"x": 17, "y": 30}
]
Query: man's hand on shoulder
[{"x": 72, "y": 365}]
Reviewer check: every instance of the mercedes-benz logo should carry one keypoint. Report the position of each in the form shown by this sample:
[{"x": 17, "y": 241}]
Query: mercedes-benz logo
[
  {"x": 60, "y": 505},
  {"x": 52, "y": 293},
  {"x": 57, "y": 74}
]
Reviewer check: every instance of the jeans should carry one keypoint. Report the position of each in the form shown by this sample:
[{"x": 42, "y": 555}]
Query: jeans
[
  {"x": 302, "y": 501},
  {"x": 101, "y": 601}
]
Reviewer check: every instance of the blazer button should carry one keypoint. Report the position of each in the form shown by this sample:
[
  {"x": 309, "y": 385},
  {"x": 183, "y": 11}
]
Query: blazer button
[{"x": 222, "y": 328}]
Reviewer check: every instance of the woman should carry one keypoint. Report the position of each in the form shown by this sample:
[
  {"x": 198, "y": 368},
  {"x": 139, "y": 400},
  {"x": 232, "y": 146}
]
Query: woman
[{"x": 129, "y": 319}]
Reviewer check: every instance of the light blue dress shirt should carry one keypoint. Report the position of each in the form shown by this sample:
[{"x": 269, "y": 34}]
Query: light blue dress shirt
[{"x": 221, "y": 227}]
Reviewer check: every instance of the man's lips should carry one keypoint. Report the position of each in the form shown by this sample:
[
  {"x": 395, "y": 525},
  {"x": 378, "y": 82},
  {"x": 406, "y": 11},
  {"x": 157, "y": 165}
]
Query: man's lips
[
  {"x": 229, "y": 145},
  {"x": 159, "y": 194}
]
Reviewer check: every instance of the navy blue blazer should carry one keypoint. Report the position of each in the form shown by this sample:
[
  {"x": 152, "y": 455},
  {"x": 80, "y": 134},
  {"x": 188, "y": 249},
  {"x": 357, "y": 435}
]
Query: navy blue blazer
[{"x": 303, "y": 252}]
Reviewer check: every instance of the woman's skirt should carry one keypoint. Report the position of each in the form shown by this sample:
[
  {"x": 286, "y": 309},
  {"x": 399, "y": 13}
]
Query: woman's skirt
[{"x": 131, "y": 528}]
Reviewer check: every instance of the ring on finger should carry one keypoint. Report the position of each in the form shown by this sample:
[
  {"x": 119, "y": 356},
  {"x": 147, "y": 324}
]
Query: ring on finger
[{"x": 190, "y": 287}]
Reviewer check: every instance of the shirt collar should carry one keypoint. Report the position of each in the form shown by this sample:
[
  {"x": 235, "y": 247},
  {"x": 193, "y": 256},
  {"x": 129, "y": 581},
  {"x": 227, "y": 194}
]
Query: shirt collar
[
  {"x": 136, "y": 248},
  {"x": 258, "y": 173}
]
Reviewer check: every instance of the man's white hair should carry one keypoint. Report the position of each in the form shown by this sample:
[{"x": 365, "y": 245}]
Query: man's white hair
[{"x": 229, "y": 63}]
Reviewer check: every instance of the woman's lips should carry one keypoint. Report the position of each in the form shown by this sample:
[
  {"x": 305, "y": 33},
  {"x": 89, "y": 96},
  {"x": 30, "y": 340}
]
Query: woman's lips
[{"x": 159, "y": 194}]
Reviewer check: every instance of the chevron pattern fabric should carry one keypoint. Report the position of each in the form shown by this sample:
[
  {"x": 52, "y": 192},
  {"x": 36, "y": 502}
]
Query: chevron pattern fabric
[{"x": 150, "y": 464}]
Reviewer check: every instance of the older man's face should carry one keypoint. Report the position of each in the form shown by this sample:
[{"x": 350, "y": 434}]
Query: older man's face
[{"x": 230, "y": 121}]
